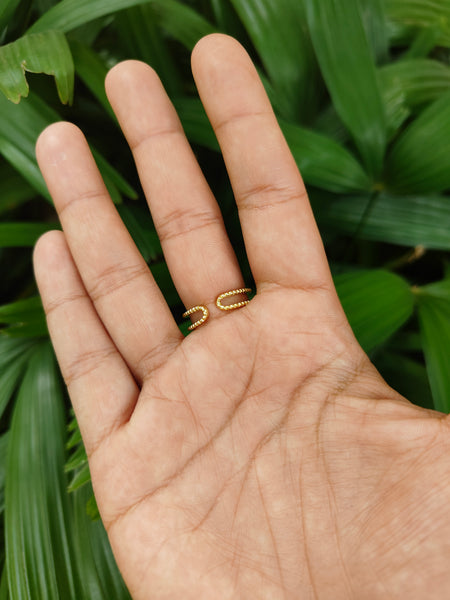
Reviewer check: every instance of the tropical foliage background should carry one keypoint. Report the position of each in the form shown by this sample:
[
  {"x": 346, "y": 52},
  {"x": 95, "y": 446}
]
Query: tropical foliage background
[{"x": 362, "y": 92}]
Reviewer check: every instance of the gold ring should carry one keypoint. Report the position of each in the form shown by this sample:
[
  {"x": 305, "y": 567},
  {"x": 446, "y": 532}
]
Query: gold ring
[
  {"x": 201, "y": 320},
  {"x": 232, "y": 293}
]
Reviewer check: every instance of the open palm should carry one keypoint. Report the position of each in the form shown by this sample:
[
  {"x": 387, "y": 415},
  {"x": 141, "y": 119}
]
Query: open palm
[{"x": 262, "y": 456}]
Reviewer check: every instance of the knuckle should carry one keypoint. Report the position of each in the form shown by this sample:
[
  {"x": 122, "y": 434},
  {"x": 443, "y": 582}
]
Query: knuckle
[
  {"x": 237, "y": 118},
  {"x": 141, "y": 141},
  {"x": 263, "y": 196},
  {"x": 180, "y": 222},
  {"x": 83, "y": 196},
  {"x": 155, "y": 358},
  {"x": 114, "y": 278},
  {"x": 85, "y": 363},
  {"x": 51, "y": 306}
]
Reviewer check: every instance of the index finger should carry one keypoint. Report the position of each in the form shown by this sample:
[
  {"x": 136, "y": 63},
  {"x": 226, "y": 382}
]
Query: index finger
[{"x": 281, "y": 237}]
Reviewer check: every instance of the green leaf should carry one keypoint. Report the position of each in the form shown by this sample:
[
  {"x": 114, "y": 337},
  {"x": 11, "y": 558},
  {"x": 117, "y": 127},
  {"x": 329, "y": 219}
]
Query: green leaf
[
  {"x": 227, "y": 19},
  {"x": 348, "y": 68},
  {"x": 404, "y": 220},
  {"x": 419, "y": 80},
  {"x": 3, "y": 450},
  {"x": 140, "y": 225},
  {"x": 408, "y": 15},
  {"x": 39, "y": 554},
  {"x": 46, "y": 52},
  {"x": 7, "y": 8},
  {"x": 409, "y": 84},
  {"x": 22, "y": 311},
  {"x": 196, "y": 125},
  {"x": 77, "y": 459},
  {"x": 423, "y": 43},
  {"x": 92, "y": 70},
  {"x": 15, "y": 190},
  {"x": 407, "y": 376},
  {"x": 10, "y": 375},
  {"x": 374, "y": 19},
  {"x": 162, "y": 277},
  {"x": 419, "y": 161},
  {"x": 14, "y": 356},
  {"x": 279, "y": 33},
  {"x": 114, "y": 181},
  {"x": 22, "y": 234},
  {"x": 323, "y": 162},
  {"x": 4, "y": 591},
  {"x": 20, "y": 126},
  {"x": 99, "y": 575},
  {"x": 10, "y": 350},
  {"x": 181, "y": 21},
  {"x": 434, "y": 318},
  {"x": 377, "y": 303},
  {"x": 80, "y": 478},
  {"x": 143, "y": 39},
  {"x": 24, "y": 164},
  {"x": 406, "y": 341}
]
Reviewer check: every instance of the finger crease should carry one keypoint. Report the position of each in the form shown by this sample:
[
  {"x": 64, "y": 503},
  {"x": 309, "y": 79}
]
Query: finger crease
[
  {"x": 135, "y": 147},
  {"x": 116, "y": 277},
  {"x": 86, "y": 363},
  {"x": 176, "y": 226}
]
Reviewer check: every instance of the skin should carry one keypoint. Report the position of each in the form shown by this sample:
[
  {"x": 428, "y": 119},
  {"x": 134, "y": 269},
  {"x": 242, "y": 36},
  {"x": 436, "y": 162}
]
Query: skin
[{"x": 263, "y": 456}]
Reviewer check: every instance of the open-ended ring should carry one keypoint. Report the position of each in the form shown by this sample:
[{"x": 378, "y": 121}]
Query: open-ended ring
[
  {"x": 201, "y": 320},
  {"x": 232, "y": 293}
]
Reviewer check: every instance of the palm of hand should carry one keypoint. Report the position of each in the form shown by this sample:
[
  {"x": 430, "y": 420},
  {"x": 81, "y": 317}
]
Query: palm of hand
[
  {"x": 257, "y": 464},
  {"x": 262, "y": 456}
]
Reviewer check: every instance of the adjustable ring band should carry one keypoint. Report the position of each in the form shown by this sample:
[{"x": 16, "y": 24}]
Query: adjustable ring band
[
  {"x": 232, "y": 293},
  {"x": 201, "y": 320}
]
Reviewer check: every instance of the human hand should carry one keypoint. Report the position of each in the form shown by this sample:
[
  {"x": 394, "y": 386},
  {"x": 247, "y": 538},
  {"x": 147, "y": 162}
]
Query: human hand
[{"x": 263, "y": 456}]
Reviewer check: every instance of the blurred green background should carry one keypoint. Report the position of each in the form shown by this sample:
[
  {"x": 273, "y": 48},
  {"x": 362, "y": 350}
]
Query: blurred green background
[{"x": 362, "y": 91}]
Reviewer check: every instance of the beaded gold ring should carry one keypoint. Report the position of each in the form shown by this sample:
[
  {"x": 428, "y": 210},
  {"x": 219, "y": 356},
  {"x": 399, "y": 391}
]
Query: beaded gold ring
[
  {"x": 232, "y": 293},
  {"x": 201, "y": 320}
]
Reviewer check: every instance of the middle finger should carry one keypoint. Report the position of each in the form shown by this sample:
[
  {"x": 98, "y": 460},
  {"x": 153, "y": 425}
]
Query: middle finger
[{"x": 187, "y": 218}]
